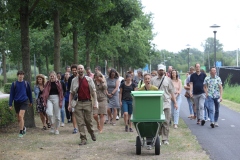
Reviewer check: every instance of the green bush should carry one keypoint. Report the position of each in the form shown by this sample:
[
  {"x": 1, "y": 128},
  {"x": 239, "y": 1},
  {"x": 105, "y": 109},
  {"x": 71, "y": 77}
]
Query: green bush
[
  {"x": 6, "y": 115},
  {"x": 7, "y": 87}
]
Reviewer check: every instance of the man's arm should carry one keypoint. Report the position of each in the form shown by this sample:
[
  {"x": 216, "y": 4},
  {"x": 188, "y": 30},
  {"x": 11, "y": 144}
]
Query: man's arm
[
  {"x": 191, "y": 89},
  {"x": 221, "y": 91},
  {"x": 205, "y": 89}
]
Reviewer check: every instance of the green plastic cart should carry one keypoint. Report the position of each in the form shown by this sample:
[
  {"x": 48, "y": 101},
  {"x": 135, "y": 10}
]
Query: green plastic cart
[{"x": 147, "y": 118}]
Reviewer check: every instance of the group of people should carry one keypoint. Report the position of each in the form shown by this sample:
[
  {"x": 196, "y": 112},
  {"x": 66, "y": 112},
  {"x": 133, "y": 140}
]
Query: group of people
[
  {"x": 98, "y": 97},
  {"x": 204, "y": 94}
]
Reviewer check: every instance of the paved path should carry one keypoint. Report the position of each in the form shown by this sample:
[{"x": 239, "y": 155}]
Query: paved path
[
  {"x": 223, "y": 142},
  {"x": 3, "y": 95}
]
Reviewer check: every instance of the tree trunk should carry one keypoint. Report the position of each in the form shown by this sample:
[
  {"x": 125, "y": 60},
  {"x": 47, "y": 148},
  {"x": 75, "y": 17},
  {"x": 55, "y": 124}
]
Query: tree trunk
[
  {"x": 87, "y": 50},
  {"x": 47, "y": 64},
  {"x": 75, "y": 45},
  {"x": 4, "y": 67},
  {"x": 24, "y": 25},
  {"x": 56, "y": 29}
]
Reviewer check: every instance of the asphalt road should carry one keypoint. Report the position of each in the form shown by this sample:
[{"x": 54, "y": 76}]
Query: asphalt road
[{"x": 221, "y": 143}]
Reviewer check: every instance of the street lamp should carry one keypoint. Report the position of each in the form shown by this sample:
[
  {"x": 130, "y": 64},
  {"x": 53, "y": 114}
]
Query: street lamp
[
  {"x": 215, "y": 31},
  {"x": 188, "y": 48}
]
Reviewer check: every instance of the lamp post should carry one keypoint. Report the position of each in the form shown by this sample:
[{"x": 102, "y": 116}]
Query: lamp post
[
  {"x": 188, "y": 48},
  {"x": 215, "y": 31}
]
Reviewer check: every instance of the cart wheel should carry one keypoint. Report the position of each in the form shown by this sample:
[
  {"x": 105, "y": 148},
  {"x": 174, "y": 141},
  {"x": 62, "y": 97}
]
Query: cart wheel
[
  {"x": 157, "y": 146},
  {"x": 138, "y": 145}
]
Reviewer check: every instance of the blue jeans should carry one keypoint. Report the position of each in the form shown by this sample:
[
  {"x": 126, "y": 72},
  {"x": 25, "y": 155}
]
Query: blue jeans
[
  {"x": 190, "y": 106},
  {"x": 62, "y": 111},
  {"x": 127, "y": 106},
  {"x": 210, "y": 103},
  {"x": 217, "y": 106},
  {"x": 174, "y": 112}
]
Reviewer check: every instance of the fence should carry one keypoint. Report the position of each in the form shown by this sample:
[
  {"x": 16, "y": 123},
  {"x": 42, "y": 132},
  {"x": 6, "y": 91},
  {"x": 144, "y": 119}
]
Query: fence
[{"x": 226, "y": 71}]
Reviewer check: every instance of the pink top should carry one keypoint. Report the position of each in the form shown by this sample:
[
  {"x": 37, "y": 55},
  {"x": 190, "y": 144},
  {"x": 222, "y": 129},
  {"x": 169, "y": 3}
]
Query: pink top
[
  {"x": 177, "y": 86},
  {"x": 91, "y": 75}
]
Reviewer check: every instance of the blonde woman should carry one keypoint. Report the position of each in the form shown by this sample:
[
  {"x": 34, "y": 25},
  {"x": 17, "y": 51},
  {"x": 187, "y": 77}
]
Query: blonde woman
[
  {"x": 177, "y": 83},
  {"x": 101, "y": 90},
  {"x": 53, "y": 97},
  {"x": 38, "y": 90}
]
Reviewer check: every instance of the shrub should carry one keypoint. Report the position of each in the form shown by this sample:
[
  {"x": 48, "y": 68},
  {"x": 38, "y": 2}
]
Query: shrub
[
  {"x": 6, "y": 115},
  {"x": 7, "y": 87}
]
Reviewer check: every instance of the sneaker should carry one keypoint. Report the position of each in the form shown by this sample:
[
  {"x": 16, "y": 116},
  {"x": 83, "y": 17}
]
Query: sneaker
[
  {"x": 62, "y": 125},
  {"x": 202, "y": 122},
  {"x": 216, "y": 124},
  {"x": 83, "y": 142},
  {"x": 175, "y": 126},
  {"x": 52, "y": 130},
  {"x": 56, "y": 132},
  {"x": 208, "y": 119},
  {"x": 24, "y": 130},
  {"x": 165, "y": 142},
  {"x": 212, "y": 125},
  {"x": 75, "y": 130},
  {"x": 20, "y": 135},
  {"x": 93, "y": 137},
  {"x": 130, "y": 130},
  {"x": 126, "y": 128},
  {"x": 117, "y": 118}
]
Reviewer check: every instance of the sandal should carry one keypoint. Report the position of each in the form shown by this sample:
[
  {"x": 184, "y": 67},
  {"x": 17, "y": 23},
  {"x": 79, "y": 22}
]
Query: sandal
[
  {"x": 98, "y": 126},
  {"x": 106, "y": 122},
  {"x": 130, "y": 130},
  {"x": 49, "y": 125},
  {"x": 111, "y": 122},
  {"x": 44, "y": 128}
]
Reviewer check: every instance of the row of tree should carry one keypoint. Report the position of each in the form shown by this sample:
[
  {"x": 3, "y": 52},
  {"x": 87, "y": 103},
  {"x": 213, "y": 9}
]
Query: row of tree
[{"x": 63, "y": 32}]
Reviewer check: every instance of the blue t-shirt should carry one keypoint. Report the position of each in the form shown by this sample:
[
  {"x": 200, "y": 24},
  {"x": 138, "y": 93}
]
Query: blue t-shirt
[
  {"x": 197, "y": 81},
  {"x": 20, "y": 92}
]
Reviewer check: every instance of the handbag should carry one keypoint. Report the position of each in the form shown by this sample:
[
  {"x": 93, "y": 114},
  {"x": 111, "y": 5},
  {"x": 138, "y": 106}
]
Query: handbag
[{"x": 187, "y": 95}]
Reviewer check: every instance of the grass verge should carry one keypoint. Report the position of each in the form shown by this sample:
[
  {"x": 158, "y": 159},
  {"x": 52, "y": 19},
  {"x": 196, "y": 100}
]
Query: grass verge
[{"x": 114, "y": 143}]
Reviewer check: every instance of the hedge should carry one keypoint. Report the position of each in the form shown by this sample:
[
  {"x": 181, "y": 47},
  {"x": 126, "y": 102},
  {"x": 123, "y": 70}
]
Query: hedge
[
  {"x": 7, "y": 87},
  {"x": 7, "y": 116}
]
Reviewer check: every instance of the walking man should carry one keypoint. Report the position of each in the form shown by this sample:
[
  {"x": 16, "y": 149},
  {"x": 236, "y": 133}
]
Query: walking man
[
  {"x": 84, "y": 87},
  {"x": 197, "y": 92},
  {"x": 165, "y": 84},
  {"x": 214, "y": 90},
  {"x": 20, "y": 93}
]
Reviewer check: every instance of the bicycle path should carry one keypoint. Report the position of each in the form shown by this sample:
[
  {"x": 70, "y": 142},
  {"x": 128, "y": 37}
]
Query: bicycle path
[{"x": 221, "y": 143}]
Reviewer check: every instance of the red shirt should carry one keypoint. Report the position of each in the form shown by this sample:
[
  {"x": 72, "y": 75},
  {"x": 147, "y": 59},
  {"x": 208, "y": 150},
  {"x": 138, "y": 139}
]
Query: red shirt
[{"x": 83, "y": 91}]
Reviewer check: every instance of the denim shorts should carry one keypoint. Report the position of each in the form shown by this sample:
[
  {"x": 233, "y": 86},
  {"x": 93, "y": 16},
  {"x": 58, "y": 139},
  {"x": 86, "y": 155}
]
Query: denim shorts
[{"x": 127, "y": 106}]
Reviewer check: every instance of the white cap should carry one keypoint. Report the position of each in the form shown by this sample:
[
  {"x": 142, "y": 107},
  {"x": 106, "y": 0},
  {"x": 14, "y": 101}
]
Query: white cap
[{"x": 161, "y": 66}]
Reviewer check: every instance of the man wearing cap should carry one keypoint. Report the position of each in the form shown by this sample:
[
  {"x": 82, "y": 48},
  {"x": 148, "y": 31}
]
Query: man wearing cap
[
  {"x": 139, "y": 77},
  {"x": 165, "y": 84}
]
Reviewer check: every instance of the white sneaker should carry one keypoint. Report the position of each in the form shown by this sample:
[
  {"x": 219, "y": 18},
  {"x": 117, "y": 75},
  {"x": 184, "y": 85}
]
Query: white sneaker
[
  {"x": 52, "y": 130},
  {"x": 117, "y": 118},
  {"x": 208, "y": 119},
  {"x": 216, "y": 124},
  {"x": 56, "y": 132},
  {"x": 165, "y": 142},
  {"x": 62, "y": 125}
]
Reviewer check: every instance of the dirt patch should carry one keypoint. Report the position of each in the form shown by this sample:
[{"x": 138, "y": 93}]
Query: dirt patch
[{"x": 114, "y": 143}]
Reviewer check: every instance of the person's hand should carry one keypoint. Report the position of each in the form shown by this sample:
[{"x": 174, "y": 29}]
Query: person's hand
[
  {"x": 175, "y": 106},
  {"x": 69, "y": 108},
  {"x": 110, "y": 95},
  {"x": 30, "y": 104},
  {"x": 191, "y": 95},
  {"x": 95, "y": 107},
  {"x": 120, "y": 103},
  {"x": 220, "y": 99},
  {"x": 10, "y": 107}
]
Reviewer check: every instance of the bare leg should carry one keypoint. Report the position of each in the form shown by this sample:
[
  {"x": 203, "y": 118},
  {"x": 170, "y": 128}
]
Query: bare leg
[
  {"x": 102, "y": 119},
  {"x": 109, "y": 114},
  {"x": 130, "y": 123},
  {"x": 95, "y": 116},
  {"x": 126, "y": 118},
  {"x": 74, "y": 121},
  {"x": 21, "y": 119},
  {"x": 43, "y": 118},
  {"x": 114, "y": 115}
]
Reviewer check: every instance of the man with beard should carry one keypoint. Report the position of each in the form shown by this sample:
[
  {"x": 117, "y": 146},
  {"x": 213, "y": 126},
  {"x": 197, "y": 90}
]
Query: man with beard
[
  {"x": 165, "y": 84},
  {"x": 84, "y": 87},
  {"x": 74, "y": 74}
]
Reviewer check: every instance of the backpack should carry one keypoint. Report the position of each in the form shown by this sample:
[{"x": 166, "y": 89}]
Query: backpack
[{"x": 15, "y": 84}]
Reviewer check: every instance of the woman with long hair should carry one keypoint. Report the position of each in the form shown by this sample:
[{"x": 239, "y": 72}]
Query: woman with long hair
[
  {"x": 53, "y": 97},
  {"x": 101, "y": 90},
  {"x": 38, "y": 90},
  {"x": 178, "y": 87},
  {"x": 113, "y": 95},
  {"x": 125, "y": 100}
]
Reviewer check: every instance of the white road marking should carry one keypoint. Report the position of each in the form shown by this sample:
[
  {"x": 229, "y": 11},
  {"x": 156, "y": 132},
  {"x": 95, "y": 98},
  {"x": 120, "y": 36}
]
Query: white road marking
[{"x": 232, "y": 125}]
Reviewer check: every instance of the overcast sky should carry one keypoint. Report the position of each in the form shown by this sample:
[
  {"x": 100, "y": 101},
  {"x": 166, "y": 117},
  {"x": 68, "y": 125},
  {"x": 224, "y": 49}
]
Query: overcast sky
[{"x": 181, "y": 22}]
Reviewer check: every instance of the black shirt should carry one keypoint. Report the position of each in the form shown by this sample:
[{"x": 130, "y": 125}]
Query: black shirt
[
  {"x": 70, "y": 82},
  {"x": 126, "y": 91},
  {"x": 53, "y": 90},
  {"x": 197, "y": 81}
]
